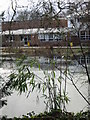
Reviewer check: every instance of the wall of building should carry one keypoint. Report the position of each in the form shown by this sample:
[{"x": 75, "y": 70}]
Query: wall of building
[
  {"x": 20, "y": 33},
  {"x": 15, "y": 25}
]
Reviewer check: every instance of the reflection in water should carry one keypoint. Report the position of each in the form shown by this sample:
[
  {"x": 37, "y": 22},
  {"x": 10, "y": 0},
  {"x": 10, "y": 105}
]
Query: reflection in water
[{"x": 19, "y": 104}]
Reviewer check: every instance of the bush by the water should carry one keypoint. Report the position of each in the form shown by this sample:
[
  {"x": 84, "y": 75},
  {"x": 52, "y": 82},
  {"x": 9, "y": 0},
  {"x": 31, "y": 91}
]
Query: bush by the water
[{"x": 53, "y": 115}]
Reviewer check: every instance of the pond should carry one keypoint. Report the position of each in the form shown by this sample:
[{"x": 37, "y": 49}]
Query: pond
[{"x": 18, "y": 105}]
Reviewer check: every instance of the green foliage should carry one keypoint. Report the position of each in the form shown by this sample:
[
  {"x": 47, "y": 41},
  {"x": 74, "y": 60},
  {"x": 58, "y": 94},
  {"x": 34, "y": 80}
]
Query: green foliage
[
  {"x": 60, "y": 115},
  {"x": 83, "y": 115},
  {"x": 21, "y": 79},
  {"x": 24, "y": 78},
  {"x": 4, "y": 91},
  {"x": 53, "y": 115}
]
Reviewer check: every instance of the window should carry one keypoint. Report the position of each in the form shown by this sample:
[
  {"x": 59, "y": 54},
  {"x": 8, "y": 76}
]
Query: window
[
  {"x": 46, "y": 36},
  {"x": 82, "y": 60},
  {"x": 82, "y": 35},
  {"x": 87, "y": 59},
  {"x": 21, "y": 37},
  {"x": 85, "y": 35},
  {"x": 41, "y": 37},
  {"x": 57, "y": 37},
  {"x": 11, "y": 38},
  {"x": 24, "y": 39},
  {"x": 51, "y": 37},
  {"x": 88, "y": 35}
]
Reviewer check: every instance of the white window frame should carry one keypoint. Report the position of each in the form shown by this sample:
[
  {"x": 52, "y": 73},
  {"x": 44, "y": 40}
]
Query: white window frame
[
  {"x": 86, "y": 36},
  {"x": 57, "y": 37},
  {"x": 46, "y": 36},
  {"x": 41, "y": 37},
  {"x": 11, "y": 38},
  {"x": 51, "y": 38},
  {"x": 87, "y": 60}
]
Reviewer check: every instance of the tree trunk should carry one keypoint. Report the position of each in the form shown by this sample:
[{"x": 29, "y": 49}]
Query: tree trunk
[
  {"x": 89, "y": 87},
  {"x": 89, "y": 96}
]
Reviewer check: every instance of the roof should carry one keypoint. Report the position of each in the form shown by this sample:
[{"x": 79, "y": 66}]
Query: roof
[{"x": 33, "y": 31}]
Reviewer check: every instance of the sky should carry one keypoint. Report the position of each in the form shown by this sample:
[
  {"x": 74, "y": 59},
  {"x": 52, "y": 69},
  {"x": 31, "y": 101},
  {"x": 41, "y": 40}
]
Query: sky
[{"x": 5, "y": 4}]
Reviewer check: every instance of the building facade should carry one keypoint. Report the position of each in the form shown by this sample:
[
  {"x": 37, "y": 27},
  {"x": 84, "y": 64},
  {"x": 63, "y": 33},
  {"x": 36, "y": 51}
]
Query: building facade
[{"x": 41, "y": 33}]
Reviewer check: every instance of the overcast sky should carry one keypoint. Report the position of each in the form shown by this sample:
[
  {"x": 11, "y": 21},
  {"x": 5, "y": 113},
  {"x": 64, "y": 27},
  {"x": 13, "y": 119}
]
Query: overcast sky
[{"x": 5, "y": 4}]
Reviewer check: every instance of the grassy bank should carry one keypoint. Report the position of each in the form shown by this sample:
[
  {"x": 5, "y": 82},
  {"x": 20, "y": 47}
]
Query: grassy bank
[{"x": 44, "y": 51}]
